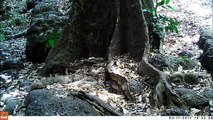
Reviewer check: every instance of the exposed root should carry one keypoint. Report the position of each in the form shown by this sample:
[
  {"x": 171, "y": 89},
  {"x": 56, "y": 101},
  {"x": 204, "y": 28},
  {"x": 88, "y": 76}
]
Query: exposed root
[
  {"x": 117, "y": 80},
  {"x": 163, "y": 94}
]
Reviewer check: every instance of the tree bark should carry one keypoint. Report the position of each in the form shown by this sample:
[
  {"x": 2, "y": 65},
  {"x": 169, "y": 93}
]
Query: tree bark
[
  {"x": 88, "y": 33},
  {"x": 131, "y": 33}
]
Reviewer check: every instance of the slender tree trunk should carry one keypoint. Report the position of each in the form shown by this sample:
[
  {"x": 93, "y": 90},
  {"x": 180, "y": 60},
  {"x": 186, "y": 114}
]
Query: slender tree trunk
[{"x": 156, "y": 41}]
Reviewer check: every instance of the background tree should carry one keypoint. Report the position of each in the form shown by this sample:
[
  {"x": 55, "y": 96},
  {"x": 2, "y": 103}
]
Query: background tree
[{"x": 155, "y": 39}]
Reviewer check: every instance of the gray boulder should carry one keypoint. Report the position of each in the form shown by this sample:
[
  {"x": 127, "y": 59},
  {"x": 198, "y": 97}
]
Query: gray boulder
[
  {"x": 11, "y": 105},
  {"x": 164, "y": 62},
  {"x": 208, "y": 93},
  {"x": 45, "y": 30},
  {"x": 205, "y": 36},
  {"x": 191, "y": 98},
  {"x": 175, "y": 112},
  {"x": 186, "y": 53},
  {"x": 53, "y": 102}
]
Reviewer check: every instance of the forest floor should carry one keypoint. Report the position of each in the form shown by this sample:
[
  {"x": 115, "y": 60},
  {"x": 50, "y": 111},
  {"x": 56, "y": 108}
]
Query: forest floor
[{"x": 194, "y": 15}]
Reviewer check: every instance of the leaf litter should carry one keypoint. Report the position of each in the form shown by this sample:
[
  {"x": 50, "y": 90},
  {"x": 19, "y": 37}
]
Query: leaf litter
[{"x": 194, "y": 15}]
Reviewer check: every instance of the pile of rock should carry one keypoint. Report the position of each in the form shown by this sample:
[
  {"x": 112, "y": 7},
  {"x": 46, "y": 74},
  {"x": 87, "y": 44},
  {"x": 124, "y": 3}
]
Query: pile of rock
[{"x": 206, "y": 44}]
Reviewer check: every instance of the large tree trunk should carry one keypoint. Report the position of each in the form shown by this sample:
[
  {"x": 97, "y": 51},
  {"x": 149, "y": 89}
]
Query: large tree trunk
[
  {"x": 92, "y": 26},
  {"x": 108, "y": 28},
  {"x": 88, "y": 33}
]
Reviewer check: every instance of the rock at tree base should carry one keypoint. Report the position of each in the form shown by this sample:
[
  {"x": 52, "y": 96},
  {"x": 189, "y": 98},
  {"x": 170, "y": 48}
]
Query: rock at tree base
[
  {"x": 45, "y": 30},
  {"x": 52, "y": 102}
]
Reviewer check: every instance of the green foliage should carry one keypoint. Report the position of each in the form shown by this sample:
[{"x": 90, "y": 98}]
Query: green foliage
[
  {"x": 186, "y": 60},
  {"x": 13, "y": 22},
  {"x": 51, "y": 43},
  {"x": 52, "y": 38},
  {"x": 162, "y": 23}
]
